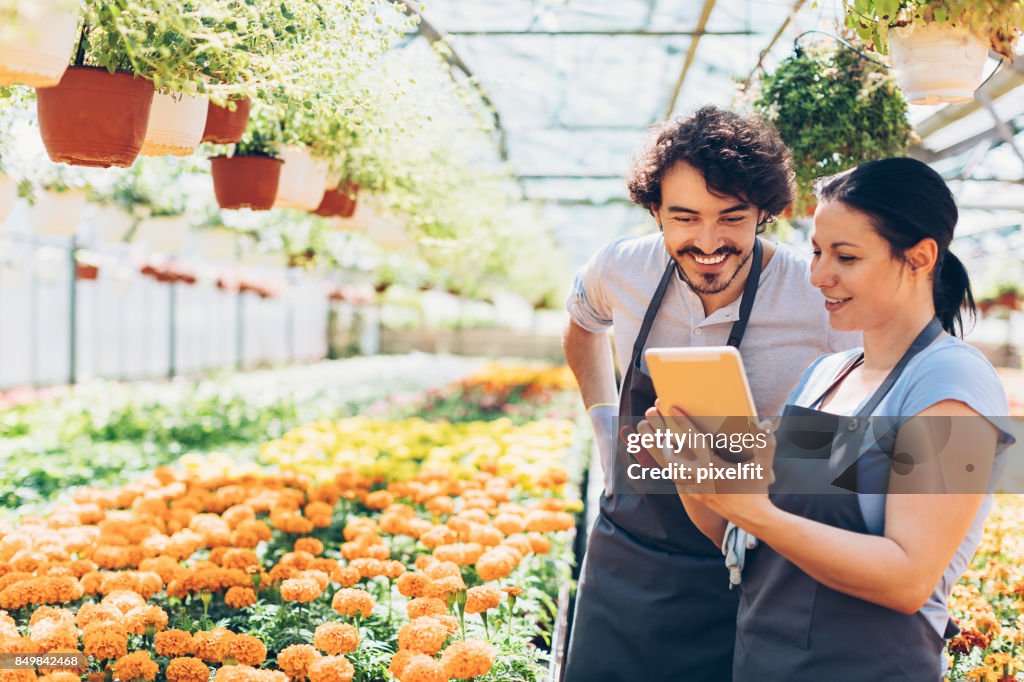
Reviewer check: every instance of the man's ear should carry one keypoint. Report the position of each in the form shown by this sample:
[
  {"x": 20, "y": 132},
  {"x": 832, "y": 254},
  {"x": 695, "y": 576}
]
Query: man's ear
[{"x": 657, "y": 220}]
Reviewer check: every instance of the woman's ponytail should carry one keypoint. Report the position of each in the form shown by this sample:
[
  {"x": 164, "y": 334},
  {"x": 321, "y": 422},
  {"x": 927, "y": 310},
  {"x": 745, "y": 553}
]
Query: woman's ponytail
[{"x": 952, "y": 293}]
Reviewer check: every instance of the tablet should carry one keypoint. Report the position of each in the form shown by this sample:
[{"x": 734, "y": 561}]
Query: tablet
[{"x": 703, "y": 382}]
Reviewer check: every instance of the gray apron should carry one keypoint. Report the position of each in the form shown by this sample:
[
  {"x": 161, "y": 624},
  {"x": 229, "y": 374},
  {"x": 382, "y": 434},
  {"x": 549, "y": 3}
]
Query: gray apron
[
  {"x": 653, "y": 601},
  {"x": 792, "y": 628}
]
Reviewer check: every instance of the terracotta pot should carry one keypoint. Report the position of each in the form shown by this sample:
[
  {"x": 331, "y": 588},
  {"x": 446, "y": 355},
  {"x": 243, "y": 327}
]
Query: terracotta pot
[
  {"x": 38, "y": 53},
  {"x": 87, "y": 271},
  {"x": 8, "y": 192},
  {"x": 246, "y": 181},
  {"x": 339, "y": 202},
  {"x": 224, "y": 126},
  {"x": 176, "y": 125},
  {"x": 1008, "y": 300},
  {"x": 94, "y": 118}
]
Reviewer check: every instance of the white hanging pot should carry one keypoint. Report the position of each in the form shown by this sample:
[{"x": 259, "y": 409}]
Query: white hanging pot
[
  {"x": 8, "y": 192},
  {"x": 303, "y": 179},
  {"x": 176, "y": 124},
  {"x": 58, "y": 212},
  {"x": 111, "y": 225},
  {"x": 164, "y": 234},
  {"x": 215, "y": 244},
  {"x": 937, "y": 63},
  {"x": 38, "y": 51}
]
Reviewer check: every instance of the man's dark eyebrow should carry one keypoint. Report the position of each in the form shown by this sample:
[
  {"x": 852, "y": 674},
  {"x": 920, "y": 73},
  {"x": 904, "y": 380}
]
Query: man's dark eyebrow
[
  {"x": 682, "y": 209},
  {"x": 731, "y": 209},
  {"x": 736, "y": 207}
]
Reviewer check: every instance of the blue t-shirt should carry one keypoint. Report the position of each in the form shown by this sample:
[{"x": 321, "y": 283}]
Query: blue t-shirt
[{"x": 948, "y": 369}]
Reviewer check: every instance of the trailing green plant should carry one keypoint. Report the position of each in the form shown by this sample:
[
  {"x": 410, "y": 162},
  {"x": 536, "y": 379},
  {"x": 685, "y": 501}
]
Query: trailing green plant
[
  {"x": 997, "y": 21},
  {"x": 835, "y": 110}
]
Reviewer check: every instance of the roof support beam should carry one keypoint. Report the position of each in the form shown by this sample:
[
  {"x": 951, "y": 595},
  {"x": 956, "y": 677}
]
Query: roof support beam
[{"x": 691, "y": 53}]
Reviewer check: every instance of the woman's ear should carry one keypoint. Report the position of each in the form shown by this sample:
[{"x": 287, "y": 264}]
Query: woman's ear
[{"x": 923, "y": 255}]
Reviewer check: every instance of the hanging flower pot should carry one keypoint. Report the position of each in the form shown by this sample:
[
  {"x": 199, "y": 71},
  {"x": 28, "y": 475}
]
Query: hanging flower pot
[
  {"x": 246, "y": 181},
  {"x": 58, "y": 212},
  {"x": 303, "y": 179},
  {"x": 176, "y": 124},
  {"x": 215, "y": 244},
  {"x": 94, "y": 118},
  {"x": 38, "y": 53},
  {"x": 165, "y": 234},
  {"x": 937, "y": 63},
  {"x": 87, "y": 271},
  {"x": 111, "y": 224},
  {"x": 224, "y": 126},
  {"x": 8, "y": 192},
  {"x": 339, "y": 202}
]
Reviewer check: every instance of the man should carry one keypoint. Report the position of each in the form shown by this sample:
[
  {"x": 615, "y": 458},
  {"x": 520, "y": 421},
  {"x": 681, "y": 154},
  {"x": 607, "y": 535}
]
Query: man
[{"x": 653, "y": 601}]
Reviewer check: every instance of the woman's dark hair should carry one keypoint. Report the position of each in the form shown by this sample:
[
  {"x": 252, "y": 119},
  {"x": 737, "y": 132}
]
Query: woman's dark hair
[
  {"x": 739, "y": 156},
  {"x": 906, "y": 202}
]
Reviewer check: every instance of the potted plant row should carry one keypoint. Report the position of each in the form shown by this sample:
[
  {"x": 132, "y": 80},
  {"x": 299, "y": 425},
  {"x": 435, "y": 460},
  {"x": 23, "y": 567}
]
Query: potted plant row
[{"x": 939, "y": 47}]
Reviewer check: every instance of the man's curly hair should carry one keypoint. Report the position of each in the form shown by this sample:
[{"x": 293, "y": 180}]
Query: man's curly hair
[{"x": 739, "y": 156}]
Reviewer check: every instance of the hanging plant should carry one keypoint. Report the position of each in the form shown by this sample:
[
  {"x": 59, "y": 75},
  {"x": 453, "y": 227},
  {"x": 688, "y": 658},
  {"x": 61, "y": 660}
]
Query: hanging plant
[
  {"x": 36, "y": 40},
  {"x": 249, "y": 178},
  {"x": 939, "y": 47},
  {"x": 835, "y": 110}
]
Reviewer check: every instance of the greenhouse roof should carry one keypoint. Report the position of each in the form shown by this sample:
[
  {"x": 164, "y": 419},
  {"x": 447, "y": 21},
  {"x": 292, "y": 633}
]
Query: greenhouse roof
[{"x": 575, "y": 84}]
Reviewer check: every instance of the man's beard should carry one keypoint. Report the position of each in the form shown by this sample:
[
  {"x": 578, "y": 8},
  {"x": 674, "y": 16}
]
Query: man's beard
[{"x": 713, "y": 283}]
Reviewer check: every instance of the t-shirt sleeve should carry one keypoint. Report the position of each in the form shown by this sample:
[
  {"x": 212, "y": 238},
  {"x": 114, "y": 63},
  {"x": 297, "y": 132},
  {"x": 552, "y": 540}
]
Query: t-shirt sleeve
[
  {"x": 587, "y": 302},
  {"x": 958, "y": 373}
]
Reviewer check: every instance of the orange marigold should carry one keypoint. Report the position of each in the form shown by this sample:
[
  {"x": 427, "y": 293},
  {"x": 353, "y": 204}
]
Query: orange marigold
[
  {"x": 467, "y": 659},
  {"x": 350, "y": 601},
  {"x": 300, "y": 590},
  {"x": 331, "y": 669},
  {"x": 425, "y": 635},
  {"x": 212, "y": 645},
  {"x": 413, "y": 585},
  {"x": 174, "y": 643},
  {"x": 346, "y": 576},
  {"x": 336, "y": 638},
  {"x": 496, "y": 564},
  {"x": 423, "y": 668},
  {"x": 136, "y": 666},
  {"x": 139, "y": 619},
  {"x": 240, "y": 597},
  {"x": 482, "y": 598},
  {"x": 400, "y": 660},
  {"x": 311, "y": 545},
  {"x": 425, "y": 606},
  {"x": 105, "y": 640},
  {"x": 296, "y": 659},
  {"x": 379, "y": 499},
  {"x": 247, "y": 650}
]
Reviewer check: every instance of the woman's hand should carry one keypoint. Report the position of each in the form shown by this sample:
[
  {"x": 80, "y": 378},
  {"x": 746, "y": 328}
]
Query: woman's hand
[{"x": 735, "y": 488}]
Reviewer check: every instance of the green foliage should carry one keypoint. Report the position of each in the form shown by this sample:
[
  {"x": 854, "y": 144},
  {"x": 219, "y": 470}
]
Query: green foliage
[
  {"x": 997, "y": 21},
  {"x": 835, "y": 110}
]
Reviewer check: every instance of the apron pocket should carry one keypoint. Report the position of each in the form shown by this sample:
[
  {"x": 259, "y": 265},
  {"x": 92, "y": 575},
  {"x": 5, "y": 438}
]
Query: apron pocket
[{"x": 778, "y": 606}]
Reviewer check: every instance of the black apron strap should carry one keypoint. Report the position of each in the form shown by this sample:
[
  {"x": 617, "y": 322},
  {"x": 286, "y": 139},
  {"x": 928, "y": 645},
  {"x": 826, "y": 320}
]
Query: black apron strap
[
  {"x": 739, "y": 327},
  {"x": 922, "y": 341},
  {"x": 652, "y": 311}
]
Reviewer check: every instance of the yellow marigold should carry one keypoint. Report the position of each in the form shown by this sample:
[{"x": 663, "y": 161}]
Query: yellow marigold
[
  {"x": 350, "y": 602},
  {"x": 336, "y": 638},
  {"x": 105, "y": 640},
  {"x": 296, "y": 659},
  {"x": 482, "y": 598},
  {"x": 425, "y": 606},
  {"x": 423, "y": 668},
  {"x": 331, "y": 669},
  {"x": 240, "y": 597},
  {"x": 311, "y": 545},
  {"x": 136, "y": 666},
  {"x": 174, "y": 643},
  {"x": 414, "y": 585},
  {"x": 300, "y": 590},
  {"x": 212, "y": 645},
  {"x": 467, "y": 659},
  {"x": 246, "y": 650},
  {"x": 346, "y": 576},
  {"x": 425, "y": 635}
]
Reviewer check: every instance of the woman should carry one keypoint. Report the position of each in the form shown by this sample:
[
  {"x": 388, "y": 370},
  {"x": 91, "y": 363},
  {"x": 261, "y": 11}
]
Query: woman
[{"x": 853, "y": 585}]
